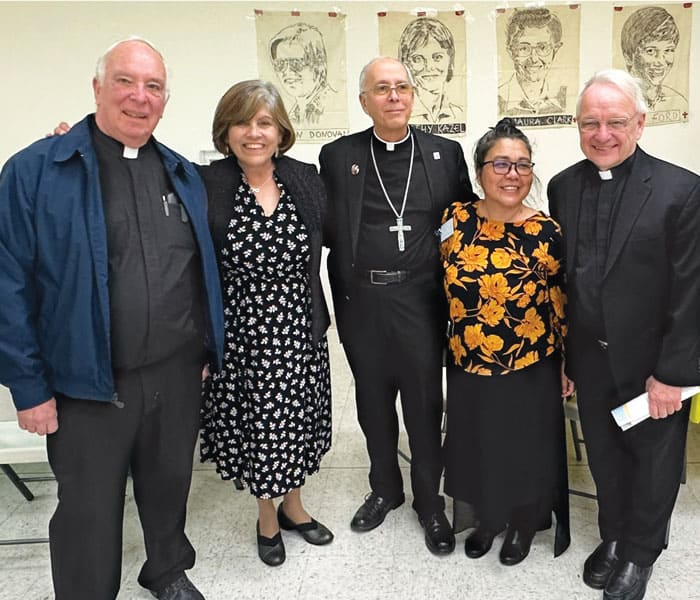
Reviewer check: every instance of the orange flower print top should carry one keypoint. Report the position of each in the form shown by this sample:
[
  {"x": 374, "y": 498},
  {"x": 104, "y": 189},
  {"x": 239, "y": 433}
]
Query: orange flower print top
[{"x": 504, "y": 285}]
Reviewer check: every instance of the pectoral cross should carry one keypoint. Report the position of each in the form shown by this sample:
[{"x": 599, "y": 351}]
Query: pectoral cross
[{"x": 399, "y": 228}]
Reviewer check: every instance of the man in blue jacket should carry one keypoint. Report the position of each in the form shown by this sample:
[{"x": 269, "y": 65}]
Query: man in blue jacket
[{"x": 111, "y": 308}]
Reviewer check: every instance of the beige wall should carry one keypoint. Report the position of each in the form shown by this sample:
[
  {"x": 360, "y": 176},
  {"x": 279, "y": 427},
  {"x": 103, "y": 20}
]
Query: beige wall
[{"x": 48, "y": 52}]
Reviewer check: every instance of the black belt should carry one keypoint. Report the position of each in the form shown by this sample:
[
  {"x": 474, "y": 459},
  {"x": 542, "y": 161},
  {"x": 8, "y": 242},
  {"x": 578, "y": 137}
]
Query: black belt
[{"x": 380, "y": 277}]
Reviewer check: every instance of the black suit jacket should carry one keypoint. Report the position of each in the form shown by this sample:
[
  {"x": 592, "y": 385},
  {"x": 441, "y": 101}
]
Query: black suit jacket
[
  {"x": 344, "y": 164},
  {"x": 651, "y": 284},
  {"x": 305, "y": 187}
]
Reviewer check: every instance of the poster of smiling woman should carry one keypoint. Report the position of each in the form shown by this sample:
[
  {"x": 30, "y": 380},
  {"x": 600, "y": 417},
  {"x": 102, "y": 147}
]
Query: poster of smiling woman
[
  {"x": 433, "y": 50},
  {"x": 538, "y": 64},
  {"x": 653, "y": 44},
  {"x": 303, "y": 56}
]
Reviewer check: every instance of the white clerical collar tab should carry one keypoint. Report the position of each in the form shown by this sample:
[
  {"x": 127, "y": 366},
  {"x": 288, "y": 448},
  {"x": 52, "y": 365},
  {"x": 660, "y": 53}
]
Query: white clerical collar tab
[
  {"x": 605, "y": 175},
  {"x": 391, "y": 146},
  {"x": 130, "y": 152}
]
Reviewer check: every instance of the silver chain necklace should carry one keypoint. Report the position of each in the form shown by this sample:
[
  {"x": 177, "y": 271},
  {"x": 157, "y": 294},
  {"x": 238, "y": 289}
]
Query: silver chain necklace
[
  {"x": 256, "y": 190},
  {"x": 399, "y": 228}
]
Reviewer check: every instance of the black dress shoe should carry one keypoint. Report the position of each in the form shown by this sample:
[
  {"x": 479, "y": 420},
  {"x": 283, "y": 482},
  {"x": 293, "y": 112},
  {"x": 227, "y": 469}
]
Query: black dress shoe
[
  {"x": 439, "y": 537},
  {"x": 479, "y": 542},
  {"x": 600, "y": 565},
  {"x": 516, "y": 546},
  {"x": 180, "y": 589},
  {"x": 373, "y": 512},
  {"x": 627, "y": 582},
  {"x": 270, "y": 550},
  {"x": 313, "y": 532}
]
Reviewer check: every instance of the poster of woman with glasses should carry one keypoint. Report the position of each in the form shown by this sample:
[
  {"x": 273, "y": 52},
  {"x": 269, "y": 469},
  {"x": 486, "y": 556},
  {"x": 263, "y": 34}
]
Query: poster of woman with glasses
[
  {"x": 538, "y": 74},
  {"x": 298, "y": 58}
]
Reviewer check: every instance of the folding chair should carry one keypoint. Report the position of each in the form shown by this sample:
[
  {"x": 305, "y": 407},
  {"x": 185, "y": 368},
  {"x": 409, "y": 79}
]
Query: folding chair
[
  {"x": 18, "y": 447},
  {"x": 571, "y": 414}
]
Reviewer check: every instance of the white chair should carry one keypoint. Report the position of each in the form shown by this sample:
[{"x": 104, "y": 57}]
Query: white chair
[{"x": 18, "y": 447}]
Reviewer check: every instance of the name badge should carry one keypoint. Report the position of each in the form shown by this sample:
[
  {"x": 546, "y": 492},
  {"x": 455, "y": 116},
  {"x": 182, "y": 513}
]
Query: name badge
[{"x": 446, "y": 230}]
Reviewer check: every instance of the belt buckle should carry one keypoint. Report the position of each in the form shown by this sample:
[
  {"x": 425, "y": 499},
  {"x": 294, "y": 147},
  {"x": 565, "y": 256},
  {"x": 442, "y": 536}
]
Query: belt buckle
[
  {"x": 603, "y": 344},
  {"x": 374, "y": 272}
]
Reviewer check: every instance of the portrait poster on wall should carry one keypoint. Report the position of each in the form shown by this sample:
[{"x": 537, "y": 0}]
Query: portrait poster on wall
[
  {"x": 433, "y": 49},
  {"x": 653, "y": 44},
  {"x": 303, "y": 54},
  {"x": 538, "y": 64}
]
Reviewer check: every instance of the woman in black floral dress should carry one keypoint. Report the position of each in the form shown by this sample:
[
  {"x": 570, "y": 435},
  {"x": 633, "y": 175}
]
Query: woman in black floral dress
[{"x": 267, "y": 416}]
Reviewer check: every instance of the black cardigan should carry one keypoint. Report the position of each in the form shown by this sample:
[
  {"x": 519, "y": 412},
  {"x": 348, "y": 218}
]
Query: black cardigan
[{"x": 306, "y": 189}]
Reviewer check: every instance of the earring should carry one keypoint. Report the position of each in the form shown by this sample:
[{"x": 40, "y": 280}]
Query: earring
[{"x": 277, "y": 152}]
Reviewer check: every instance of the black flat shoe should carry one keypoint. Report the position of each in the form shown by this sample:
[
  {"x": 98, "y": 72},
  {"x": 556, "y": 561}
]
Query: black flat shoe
[
  {"x": 313, "y": 532},
  {"x": 516, "y": 546},
  {"x": 439, "y": 537},
  {"x": 373, "y": 512},
  {"x": 479, "y": 543},
  {"x": 270, "y": 550},
  {"x": 600, "y": 565},
  {"x": 627, "y": 582}
]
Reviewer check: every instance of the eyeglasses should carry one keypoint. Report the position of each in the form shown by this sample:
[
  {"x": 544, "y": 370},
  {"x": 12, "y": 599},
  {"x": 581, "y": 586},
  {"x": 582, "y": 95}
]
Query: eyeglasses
[
  {"x": 295, "y": 64},
  {"x": 524, "y": 50},
  {"x": 618, "y": 124},
  {"x": 384, "y": 89},
  {"x": 503, "y": 167}
]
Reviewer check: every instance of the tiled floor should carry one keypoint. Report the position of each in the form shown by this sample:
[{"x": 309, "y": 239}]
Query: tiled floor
[{"x": 389, "y": 563}]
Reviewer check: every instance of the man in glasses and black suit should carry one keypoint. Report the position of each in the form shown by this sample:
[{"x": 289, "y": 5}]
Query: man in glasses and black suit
[
  {"x": 630, "y": 222},
  {"x": 387, "y": 188}
]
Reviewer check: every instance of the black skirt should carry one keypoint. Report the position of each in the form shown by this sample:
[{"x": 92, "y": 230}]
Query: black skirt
[{"x": 505, "y": 448}]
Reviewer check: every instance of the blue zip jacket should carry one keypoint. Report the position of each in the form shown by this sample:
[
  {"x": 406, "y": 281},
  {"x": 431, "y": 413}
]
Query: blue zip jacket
[{"x": 54, "y": 299}]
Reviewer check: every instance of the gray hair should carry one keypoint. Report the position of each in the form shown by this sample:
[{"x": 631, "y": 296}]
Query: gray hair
[
  {"x": 363, "y": 73},
  {"x": 630, "y": 86},
  {"x": 102, "y": 60}
]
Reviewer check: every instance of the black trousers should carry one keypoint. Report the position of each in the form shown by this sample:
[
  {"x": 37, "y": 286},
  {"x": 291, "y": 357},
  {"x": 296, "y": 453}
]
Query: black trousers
[
  {"x": 96, "y": 445},
  {"x": 637, "y": 472},
  {"x": 395, "y": 346}
]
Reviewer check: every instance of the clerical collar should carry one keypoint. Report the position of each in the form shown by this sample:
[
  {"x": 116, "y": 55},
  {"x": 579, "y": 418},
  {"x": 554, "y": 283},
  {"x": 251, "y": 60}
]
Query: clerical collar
[
  {"x": 390, "y": 146},
  {"x": 621, "y": 170},
  {"x": 115, "y": 147}
]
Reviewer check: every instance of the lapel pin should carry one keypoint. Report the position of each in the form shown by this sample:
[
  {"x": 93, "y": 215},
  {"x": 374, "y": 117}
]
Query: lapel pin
[
  {"x": 355, "y": 169},
  {"x": 436, "y": 156}
]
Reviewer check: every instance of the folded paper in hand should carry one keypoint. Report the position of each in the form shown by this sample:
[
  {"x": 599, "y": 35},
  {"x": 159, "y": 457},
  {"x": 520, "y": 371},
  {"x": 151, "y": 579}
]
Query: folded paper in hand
[{"x": 636, "y": 410}]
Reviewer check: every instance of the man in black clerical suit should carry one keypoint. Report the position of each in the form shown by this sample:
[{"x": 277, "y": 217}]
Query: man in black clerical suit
[
  {"x": 631, "y": 224},
  {"x": 387, "y": 188}
]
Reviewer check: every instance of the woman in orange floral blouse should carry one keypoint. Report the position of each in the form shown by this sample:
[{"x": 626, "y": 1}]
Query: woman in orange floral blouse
[{"x": 505, "y": 452}]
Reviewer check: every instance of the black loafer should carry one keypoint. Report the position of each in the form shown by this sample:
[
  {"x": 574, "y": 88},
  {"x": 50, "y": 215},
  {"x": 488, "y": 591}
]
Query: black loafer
[
  {"x": 479, "y": 543},
  {"x": 373, "y": 512},
  {"x": 270, "y": 550},
  {"x": 627, "y": 582},
  {"x": 180, "y": 589},
  {"x": 439, "y": 537},
  {"x": 313, "y": 532},
  {"x": 516, "y": 546},
  {"x": 600, "y": 565}
]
